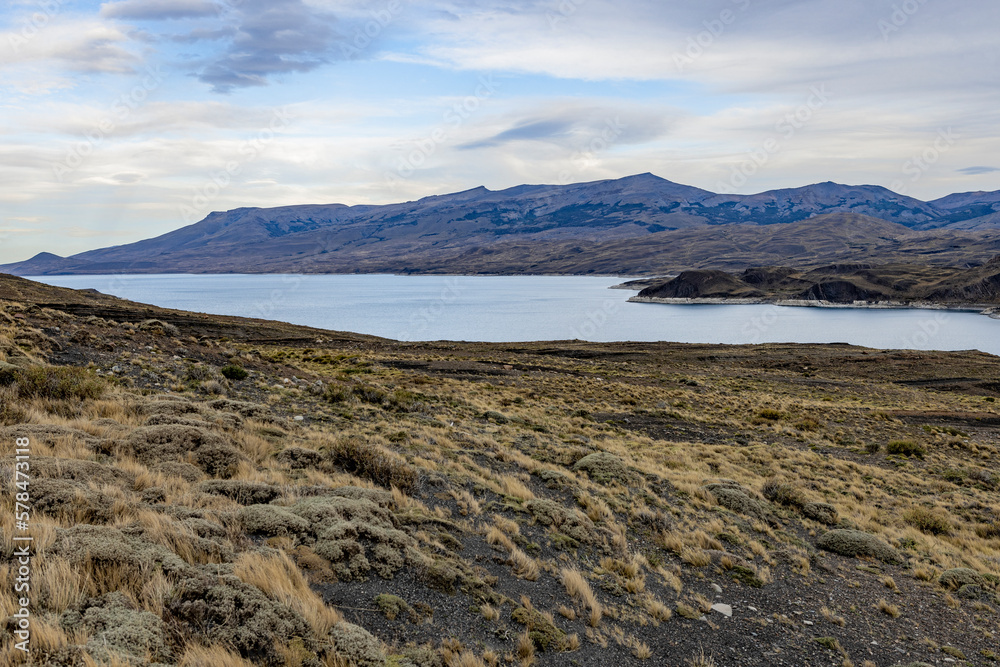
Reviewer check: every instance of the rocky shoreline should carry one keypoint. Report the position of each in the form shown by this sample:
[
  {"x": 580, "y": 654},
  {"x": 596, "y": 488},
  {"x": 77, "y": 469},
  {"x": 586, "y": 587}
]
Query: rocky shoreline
[{"x": 983, "y": 309}]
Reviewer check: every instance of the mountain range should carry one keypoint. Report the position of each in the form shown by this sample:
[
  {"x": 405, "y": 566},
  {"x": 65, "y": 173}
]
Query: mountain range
[{"x": 637, "y": 224}]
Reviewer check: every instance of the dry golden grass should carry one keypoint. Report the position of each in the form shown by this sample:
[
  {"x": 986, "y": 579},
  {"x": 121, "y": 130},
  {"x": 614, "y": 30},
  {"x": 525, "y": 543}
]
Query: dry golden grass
[
  {"x": 656, "y": 609},
  {"x": 196, "y": 655},
  {"x": 701, "y": 660},
  {"x": 489, "y": 612},
  {"x": 525, "y": 649},
  {"x": 281, "y": 579},
  {"x": 512, "y": 486},
  {"x": 567, "y": 612},
  {"x": 889, "y": 609},
  {"x": 119, "y": 661},
  {"x": 461, "y": 658},
  {"x": 579, "y": 589},
  {"x": 828, "y": 614},
  {"x": 641, "y": 650},
  {"x": 695, "y": 557},
  {"x": 524, "y": 566},
  {"x": 56, "y": 586},
  {"x": 466, "y": 503},
  {"x": 496, "y": 536}
]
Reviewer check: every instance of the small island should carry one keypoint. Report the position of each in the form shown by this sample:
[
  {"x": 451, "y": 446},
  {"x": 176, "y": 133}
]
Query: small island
[{"x": 975, "y": 288}]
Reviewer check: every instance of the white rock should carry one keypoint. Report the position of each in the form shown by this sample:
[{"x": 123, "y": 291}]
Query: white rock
[
  {"x": 723, "y": 609},
  {"x": 752, "y": 608},
  {"x": 299, "y": 418},
  {"x": 717, "y": 588},
  {"x": 807, "y": 622}
]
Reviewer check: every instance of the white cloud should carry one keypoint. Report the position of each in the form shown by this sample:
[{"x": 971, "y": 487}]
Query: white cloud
[{"x": 83, "y": 46}]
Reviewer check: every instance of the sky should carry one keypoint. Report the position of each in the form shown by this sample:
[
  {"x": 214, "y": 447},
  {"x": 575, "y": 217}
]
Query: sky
[{"x": 127, "y": 119}]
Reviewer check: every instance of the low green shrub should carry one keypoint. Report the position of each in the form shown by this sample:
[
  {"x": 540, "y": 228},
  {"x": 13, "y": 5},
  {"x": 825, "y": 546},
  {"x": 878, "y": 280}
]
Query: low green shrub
[
  {"x": 234, "y": 372},
  {"x": 373, "y": 462},
  {"x": 63, "y": 383},
  {"x": 906, "y": 448}
]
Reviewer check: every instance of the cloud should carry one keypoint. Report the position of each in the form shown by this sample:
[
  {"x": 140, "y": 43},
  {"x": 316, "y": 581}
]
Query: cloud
[
  {"x": 532, "y": 130},
  {"x": 273, "y": 37},
  {"x": 976, "y": 171},
  {"x": 157, "y": 10},
  {"x": 574, "y": 126},
  {"x": 77, "y": 45}
]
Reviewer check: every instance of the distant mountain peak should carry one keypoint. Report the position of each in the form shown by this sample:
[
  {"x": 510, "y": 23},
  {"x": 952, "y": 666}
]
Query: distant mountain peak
[{"x": 430, "y": 233}]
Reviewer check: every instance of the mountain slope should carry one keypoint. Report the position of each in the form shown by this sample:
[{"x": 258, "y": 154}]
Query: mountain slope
[{"x": 423, "y": 235}]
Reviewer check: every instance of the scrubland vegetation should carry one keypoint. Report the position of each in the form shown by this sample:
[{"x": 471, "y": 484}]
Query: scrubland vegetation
[{"x": 208, "y": 493}]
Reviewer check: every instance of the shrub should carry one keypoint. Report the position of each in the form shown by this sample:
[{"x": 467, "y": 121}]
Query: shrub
[
  {"x": 357, "y": 645},
  {"x": 988, "y": 531},
  {"x": 63, "y": 383},
  {"x": 271, "y": 520},
  {"x": 958, "y": 577},
  {"x": 604, "y": 468},
  {"x": 373, "y": 462},
  {"x": 234, "y": 372},
  {"x": 542, "y": 631},
  {"x": 115, "y": 627},
  {"x": 822, "y": 512},
  {"x": 225, "y": 610},
  {"x": 783, "y": 493},
  {"x": 873, "y": 447},
  {"x": 856, "y": 543},
  {"x": 905, "y": 448},
  {"x": 159, "y": 328},
  {"x": 927, "y": 520},
  {"x": 356, "y": 535},
  {"x": 770, "y": 414},
  {"x": 393, "y": 605},
  {"x": 736, "y": 500},
  {"x": 298, "y": 458},
  {"x": 10, "y": 411},
  {"x": 243, "y": 492},
  {"x": 570, "y": 522}
]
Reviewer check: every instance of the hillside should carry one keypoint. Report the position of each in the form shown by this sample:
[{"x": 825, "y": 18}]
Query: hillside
[
  {"x": 212, "y": 491},
  {"x": 903, "y": 284},
  {"x": 597, "y": 227}
]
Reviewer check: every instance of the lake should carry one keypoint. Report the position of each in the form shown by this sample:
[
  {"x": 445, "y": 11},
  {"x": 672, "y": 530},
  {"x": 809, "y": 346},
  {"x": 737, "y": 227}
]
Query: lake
[{"x": 525, "y": 308}]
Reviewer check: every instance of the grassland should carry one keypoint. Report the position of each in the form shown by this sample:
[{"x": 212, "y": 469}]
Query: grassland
[{"x": 216, "y": 491}]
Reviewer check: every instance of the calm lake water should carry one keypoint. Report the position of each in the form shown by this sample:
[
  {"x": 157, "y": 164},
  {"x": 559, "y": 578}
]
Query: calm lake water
[{"x": 525, "y": 308}]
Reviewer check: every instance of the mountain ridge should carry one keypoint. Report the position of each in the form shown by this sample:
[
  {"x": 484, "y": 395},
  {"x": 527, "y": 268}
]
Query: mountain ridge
[{"x": 416, "y": 236}]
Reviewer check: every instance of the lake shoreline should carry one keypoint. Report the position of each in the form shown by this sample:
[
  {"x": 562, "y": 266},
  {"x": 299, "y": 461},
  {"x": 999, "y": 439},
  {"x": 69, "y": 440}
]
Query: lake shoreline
[{"x": 989, "y": 310}]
